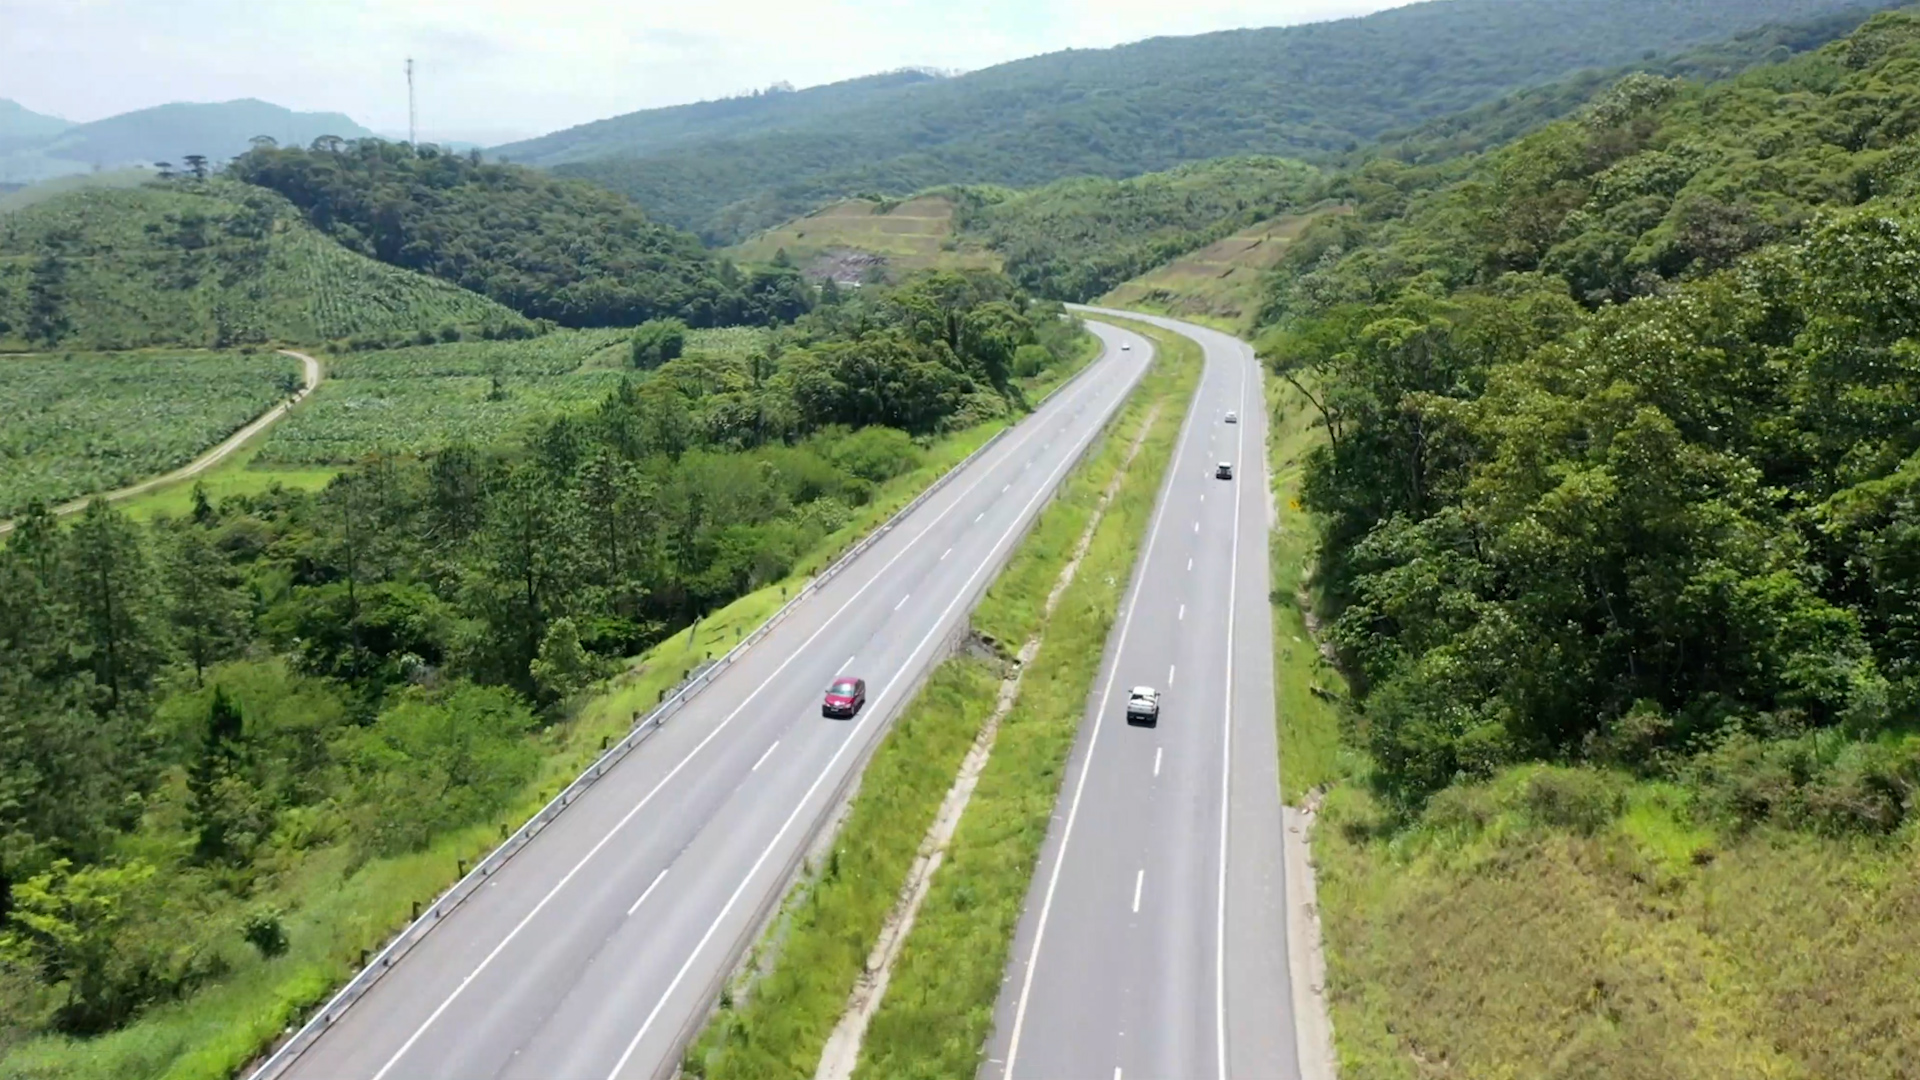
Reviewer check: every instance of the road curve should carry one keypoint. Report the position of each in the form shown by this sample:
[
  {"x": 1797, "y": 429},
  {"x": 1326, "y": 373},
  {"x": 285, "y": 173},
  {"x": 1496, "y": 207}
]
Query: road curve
[
  {"x": 1153, "y": 944},
  {"x": 595, "y": 953},
  {"x": 207, "y": 460}
]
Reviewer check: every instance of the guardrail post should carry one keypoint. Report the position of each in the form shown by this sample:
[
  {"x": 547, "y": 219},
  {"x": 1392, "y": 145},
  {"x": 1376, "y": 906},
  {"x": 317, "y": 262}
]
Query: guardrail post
[
  {"x": 416, "y": 911},
  {"x": 462, "y": 864}
]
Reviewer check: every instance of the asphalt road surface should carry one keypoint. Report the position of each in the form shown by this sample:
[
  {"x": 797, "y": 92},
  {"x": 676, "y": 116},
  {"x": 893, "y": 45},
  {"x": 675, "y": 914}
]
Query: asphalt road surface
[
  {"x": 1153, "y": 945},
  {"x": 598, "y": 950}
]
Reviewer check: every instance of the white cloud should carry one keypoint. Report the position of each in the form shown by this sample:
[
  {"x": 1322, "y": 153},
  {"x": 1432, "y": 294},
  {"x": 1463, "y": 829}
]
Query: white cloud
[{"x": 525, "y": 66}]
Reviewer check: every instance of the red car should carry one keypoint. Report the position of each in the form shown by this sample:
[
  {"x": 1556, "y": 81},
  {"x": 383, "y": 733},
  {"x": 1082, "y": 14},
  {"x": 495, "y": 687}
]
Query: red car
[{"x": 844, "y": 697}]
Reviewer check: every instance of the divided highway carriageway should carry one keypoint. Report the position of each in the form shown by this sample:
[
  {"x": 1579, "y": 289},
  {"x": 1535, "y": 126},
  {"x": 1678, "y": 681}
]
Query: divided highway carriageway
[{"x": 596, "y": 951}]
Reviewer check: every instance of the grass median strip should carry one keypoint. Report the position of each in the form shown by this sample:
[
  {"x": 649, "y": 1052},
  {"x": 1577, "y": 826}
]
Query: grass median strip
[
  {"x": 935, "y": 1017},
  {"x": 775, "y": 1020}
]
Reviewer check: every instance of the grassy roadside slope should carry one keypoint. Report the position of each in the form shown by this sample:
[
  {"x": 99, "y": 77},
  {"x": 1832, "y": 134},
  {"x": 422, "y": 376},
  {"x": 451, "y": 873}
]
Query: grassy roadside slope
[
  {"x": 940, "y": 1003},
  {"x": 1220, "y": 285},
  {"x": 1564, "y": 923},
  {"x": 775, "y": 1024},
  {"x": 336, "y": 908}
]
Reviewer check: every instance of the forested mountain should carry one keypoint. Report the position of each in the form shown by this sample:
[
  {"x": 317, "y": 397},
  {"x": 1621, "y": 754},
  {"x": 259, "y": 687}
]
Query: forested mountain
[
  {"x": 1622, "y": 459},
  {"x": 215, "y": 131},
  {"x": 1075, "y": 239},
  {"x": 212, "y": 725},
  {"x": 1498, "y": 122},
  {"x": 652, "y": 130},
  {"x": 555, "y": 249},
  {"x": 1315, "y": 90},
  {"x": 207, "y": 263}
]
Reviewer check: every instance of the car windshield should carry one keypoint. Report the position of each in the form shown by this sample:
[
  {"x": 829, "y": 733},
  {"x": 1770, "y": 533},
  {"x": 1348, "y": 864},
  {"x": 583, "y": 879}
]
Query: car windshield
[{"x": 844, "y": 686}]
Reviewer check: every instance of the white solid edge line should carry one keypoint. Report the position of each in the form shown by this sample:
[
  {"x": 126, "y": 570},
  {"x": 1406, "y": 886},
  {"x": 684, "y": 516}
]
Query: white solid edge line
[
  {"x": 643, "y": 896},
  {"x": 1226, "y": 768},
  {"x": 851, "y": 740},
  {"x": 675, "y": 771},
  {"x": 765, "y": 756},
  {"x": 1086, "y": 767}
]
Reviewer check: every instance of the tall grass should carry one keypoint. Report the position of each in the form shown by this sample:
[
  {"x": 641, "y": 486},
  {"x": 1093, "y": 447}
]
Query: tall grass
[
  {"x": 939, "y": 1005},
  {"x": 1306, "y": 688}
]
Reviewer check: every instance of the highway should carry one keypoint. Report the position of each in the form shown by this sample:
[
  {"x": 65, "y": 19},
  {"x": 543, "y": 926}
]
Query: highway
[
  {"x": 597, "y": 951},
  {"x": 1153, "y": 944}
]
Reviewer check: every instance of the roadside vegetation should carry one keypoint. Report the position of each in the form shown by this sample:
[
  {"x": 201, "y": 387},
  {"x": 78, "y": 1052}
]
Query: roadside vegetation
[
  {"x": 1612, "y": 503},
  {"x": 939, "y": 1007},
  {"x": 78, "y": 423},
  {"x": 239, "y": 742}
]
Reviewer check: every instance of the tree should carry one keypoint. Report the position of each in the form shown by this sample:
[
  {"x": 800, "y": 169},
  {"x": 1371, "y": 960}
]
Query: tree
[
  {"x": 657, "y": 341},
  {"x": 206, "y": 605},
  {"x": 110, "y": 584},
  {"x": 72, "y": 926},
  {"x": 563, "y": 668},
  {"x": 197, "y": 165}
]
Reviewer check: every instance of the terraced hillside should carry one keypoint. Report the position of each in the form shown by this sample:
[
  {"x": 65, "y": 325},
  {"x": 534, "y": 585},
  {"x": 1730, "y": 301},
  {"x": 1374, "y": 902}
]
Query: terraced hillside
[
  {"x": 1220, "y": 283},
  {"x": 206, "y": 264},
  {"x": 851, "y": 240}
]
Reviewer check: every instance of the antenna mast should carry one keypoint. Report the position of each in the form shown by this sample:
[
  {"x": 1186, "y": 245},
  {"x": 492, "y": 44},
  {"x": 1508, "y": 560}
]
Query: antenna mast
[{"x": 411, "y": 141}]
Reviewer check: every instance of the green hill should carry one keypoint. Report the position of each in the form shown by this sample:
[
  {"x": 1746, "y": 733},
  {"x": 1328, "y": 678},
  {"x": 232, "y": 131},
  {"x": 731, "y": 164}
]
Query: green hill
[
  {"x": 1306, "y": 91},
  {"x": 1075, "y": 239},
  {"x": 1615, "y": 493},
  {"x": 205, "y": 264},
  {"x": 657, "y": 129},
  {"x": 556, "y": 249}
]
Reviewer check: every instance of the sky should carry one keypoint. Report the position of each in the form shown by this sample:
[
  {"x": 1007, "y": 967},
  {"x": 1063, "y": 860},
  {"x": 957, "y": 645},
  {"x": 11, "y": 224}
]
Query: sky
[{"x": 493, "y": 70}]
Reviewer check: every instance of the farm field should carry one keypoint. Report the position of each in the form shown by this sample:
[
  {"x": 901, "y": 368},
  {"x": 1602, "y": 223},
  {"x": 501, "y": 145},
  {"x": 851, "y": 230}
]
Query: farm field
[
  {"x": 1217, "y": 284},
  {"x": 210, "y": 265},
  {"x": 76, "y": 423},
  {"x": 845, "y": 238},
  {"x": 411, "y": 400}
]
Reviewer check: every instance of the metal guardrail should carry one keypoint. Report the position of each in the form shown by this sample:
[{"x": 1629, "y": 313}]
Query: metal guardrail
[{"x": 402, "y": 943}]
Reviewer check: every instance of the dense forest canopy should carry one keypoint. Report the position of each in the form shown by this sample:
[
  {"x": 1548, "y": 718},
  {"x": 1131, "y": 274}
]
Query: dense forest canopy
[
  {"x": 552, "y": 249},
  {"x": 192, "y": 711},
  {"x": 1622, "y": 453},
  {"x": 1314, "y": 90}
]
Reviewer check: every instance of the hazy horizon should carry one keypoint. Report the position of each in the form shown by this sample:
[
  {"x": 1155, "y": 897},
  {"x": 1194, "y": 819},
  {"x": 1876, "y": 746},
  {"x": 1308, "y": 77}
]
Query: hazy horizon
[{"x": 493, "y": 71}]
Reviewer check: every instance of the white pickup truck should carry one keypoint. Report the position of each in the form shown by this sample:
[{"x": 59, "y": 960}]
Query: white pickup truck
[{"x": 1143, "y": 706}]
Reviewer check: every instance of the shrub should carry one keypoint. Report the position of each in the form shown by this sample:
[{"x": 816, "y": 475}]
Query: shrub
[{"x": 1582, "y": 800}]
